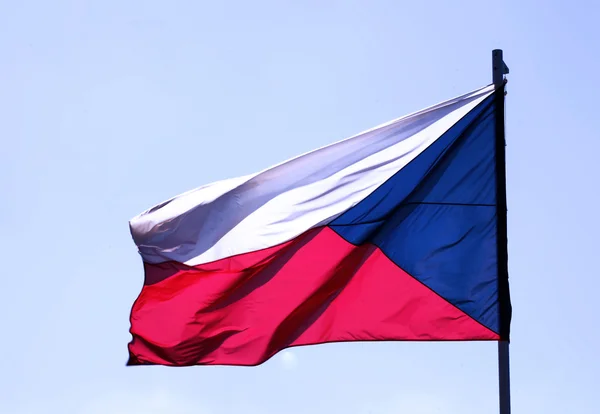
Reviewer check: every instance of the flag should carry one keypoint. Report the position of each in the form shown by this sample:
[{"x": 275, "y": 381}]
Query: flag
[{"x": 395, "y": 234}]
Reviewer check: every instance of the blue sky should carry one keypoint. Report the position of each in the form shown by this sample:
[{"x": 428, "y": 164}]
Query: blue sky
[{"x": 108, "y": 107}]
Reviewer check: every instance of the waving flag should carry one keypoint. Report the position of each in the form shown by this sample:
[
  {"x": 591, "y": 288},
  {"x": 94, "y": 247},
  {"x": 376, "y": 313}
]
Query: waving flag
[{"x": 388, "y": 235}]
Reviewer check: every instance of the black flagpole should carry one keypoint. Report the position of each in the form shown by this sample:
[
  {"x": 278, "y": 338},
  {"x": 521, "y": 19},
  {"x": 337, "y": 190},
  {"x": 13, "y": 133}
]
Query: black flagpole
[{"x": 498, "y": 72}]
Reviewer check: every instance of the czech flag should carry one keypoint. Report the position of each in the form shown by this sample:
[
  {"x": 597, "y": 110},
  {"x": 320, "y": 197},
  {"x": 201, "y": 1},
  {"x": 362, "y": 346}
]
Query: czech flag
[{"x": 395, "y": 234}]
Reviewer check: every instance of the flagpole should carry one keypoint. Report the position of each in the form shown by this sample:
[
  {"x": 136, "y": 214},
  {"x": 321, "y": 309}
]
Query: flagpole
[{"x": 499, "y": 69}]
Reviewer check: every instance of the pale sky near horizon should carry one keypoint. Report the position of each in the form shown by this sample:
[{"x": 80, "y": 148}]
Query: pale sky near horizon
[{"x": 108, "y": 107}]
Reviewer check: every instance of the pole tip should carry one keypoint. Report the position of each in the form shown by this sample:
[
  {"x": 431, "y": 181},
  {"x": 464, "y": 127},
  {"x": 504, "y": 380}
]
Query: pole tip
[{"x": 499, "y": 68}]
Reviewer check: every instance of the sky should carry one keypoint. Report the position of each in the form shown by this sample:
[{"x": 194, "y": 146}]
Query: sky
[{"x": 109, "y": 107}]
